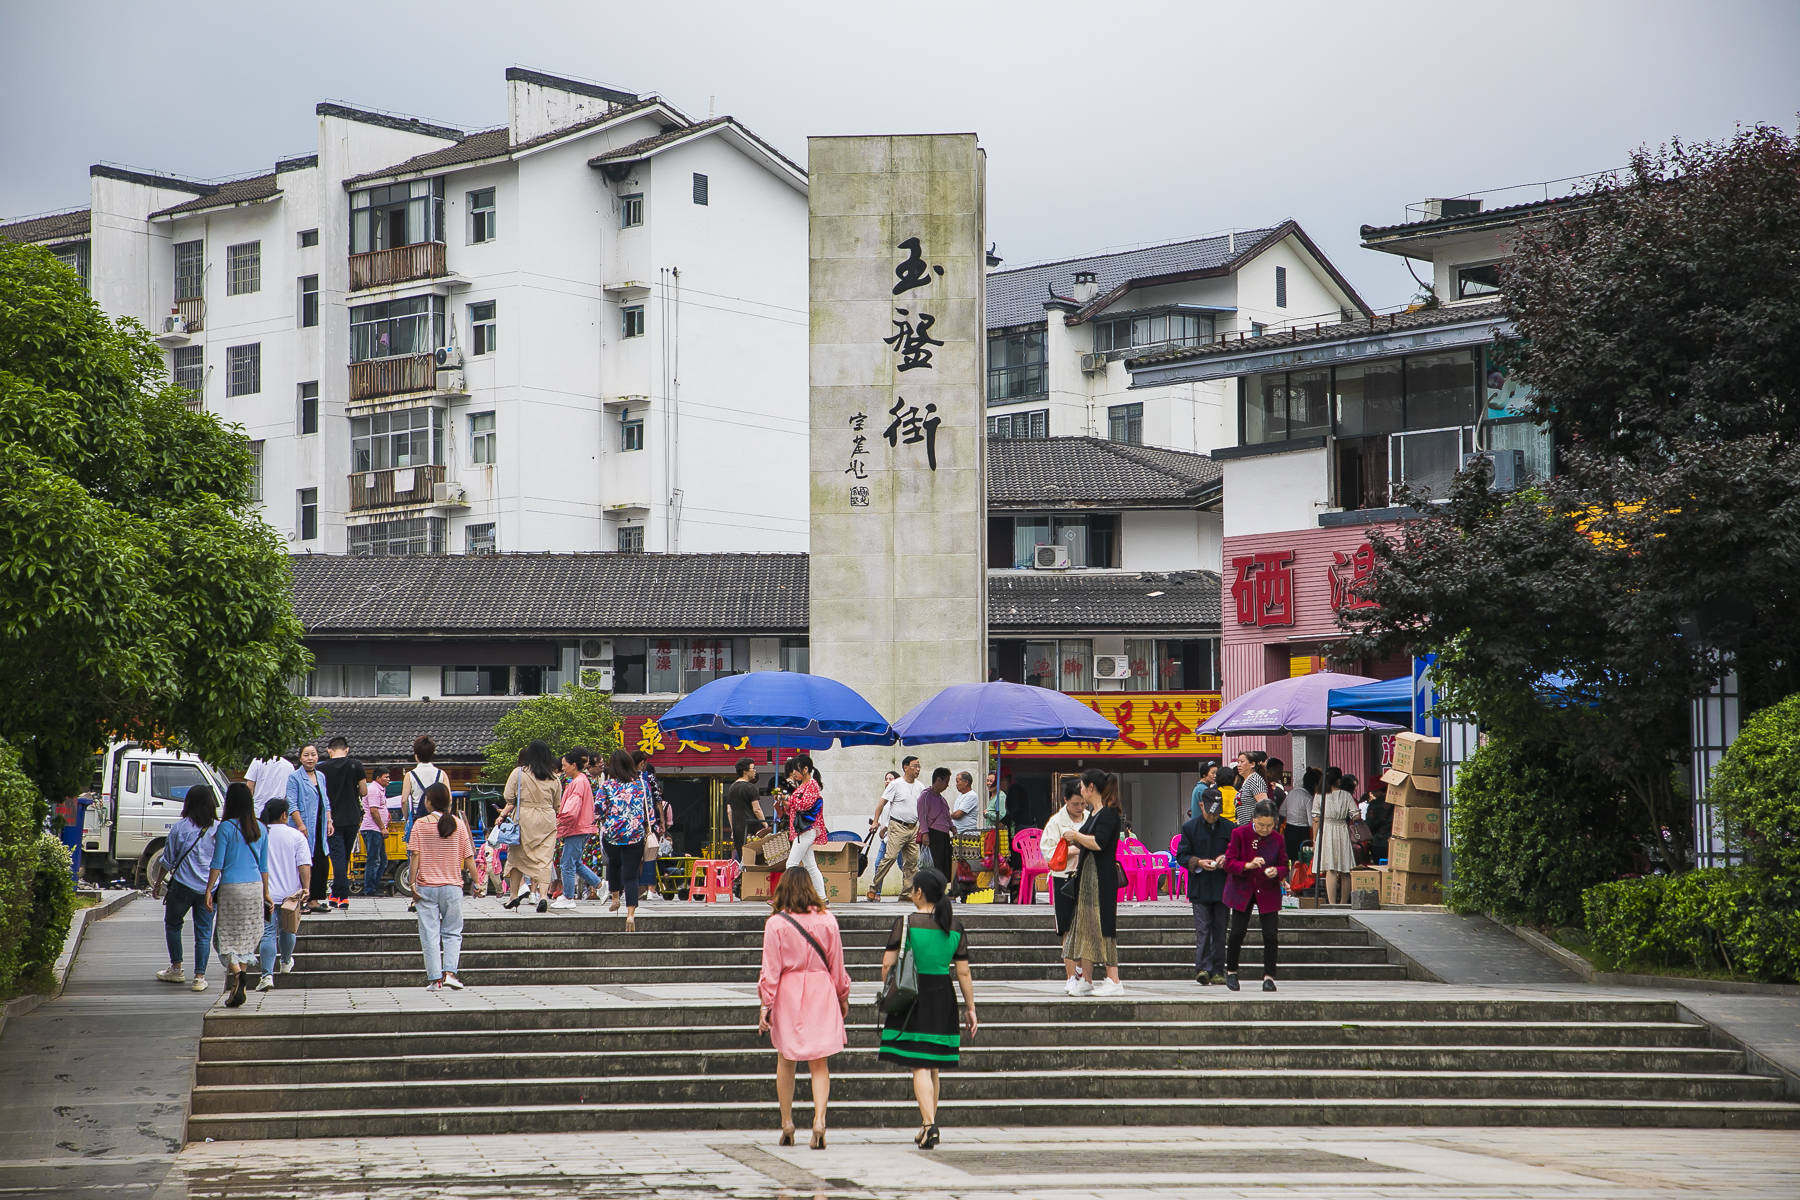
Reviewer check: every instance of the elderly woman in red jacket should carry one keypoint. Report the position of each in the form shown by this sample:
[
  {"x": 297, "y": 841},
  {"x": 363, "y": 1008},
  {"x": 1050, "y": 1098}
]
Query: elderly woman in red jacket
[{"x": 1255, "y": 864}]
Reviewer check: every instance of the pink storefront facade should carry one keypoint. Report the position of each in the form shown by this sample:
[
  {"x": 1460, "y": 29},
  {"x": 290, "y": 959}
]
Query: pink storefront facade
[{"x": 1282, "y": 593}]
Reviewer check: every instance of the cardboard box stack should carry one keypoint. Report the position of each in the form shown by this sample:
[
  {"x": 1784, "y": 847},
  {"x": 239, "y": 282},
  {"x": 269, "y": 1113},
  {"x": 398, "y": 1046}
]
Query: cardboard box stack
[
  {"x": 837, "y": 863},
  {"x": 1415, "y": 869}
]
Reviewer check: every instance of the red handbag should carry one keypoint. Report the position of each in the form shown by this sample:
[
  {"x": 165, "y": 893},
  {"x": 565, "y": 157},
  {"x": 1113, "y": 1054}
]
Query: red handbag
[{"x": 1059, "y": 857}]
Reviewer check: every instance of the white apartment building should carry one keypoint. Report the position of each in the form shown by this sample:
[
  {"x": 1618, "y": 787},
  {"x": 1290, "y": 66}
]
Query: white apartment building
[
  {"x": 1059, "y": 332},
  {"x": 583, "y": 330}
]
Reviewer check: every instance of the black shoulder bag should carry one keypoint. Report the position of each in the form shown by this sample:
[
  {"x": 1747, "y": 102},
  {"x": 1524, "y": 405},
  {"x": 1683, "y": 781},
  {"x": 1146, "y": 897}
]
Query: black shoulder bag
[{"x": 810, "y": 939}]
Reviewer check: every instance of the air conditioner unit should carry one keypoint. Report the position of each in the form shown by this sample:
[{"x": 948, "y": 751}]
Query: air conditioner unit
[
  {"x": 448, "y": 358},
  {"x": 1050, "y": 556},
  {"x": 449, "y": 493},
  {"x": 1093, "y": 362},
  {"x": 1112, "y": 666},
  {"x": 596, "y": 650},
  {"x": 1509, "y": 468},
  {"x": 174, "y": 324},
  {"x": 452, "y": 381}
]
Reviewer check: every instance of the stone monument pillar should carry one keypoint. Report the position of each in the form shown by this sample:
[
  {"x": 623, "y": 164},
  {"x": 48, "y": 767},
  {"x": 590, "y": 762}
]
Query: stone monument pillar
[{"x": 898, "y": 447}]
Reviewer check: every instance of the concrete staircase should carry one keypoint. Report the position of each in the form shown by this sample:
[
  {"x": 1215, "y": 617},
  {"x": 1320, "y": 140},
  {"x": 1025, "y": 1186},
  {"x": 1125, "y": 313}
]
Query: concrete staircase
[
  {"x": 675, "y": 944},
  {"x": 473, "y": 1069},
  {"x": 634, "y": 1053}
]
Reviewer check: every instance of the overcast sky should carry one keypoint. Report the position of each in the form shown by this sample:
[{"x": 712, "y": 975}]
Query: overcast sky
[{"x": 1106, "y": 124}]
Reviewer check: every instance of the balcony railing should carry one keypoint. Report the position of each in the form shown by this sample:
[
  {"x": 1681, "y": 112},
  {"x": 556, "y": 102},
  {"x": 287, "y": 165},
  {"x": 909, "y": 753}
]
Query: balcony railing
[
  {"x": 377, "y": 268},
  {"x": 380, "y": 489},
  {"x": 193, "y": 313},
  {"x": 392, "y": 376}
]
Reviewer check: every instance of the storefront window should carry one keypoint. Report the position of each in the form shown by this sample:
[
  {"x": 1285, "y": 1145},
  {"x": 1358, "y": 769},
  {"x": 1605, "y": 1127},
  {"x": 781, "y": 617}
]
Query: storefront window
[
  {"x": 1142, "y": 653},
  {"x": 663, "y": 672},
  {"x": 1077, "y": 656},
  {"x": 1187, "y": 664},
  {"x": 707, "y": 659},
  {"x": 1041, "y": 664}
]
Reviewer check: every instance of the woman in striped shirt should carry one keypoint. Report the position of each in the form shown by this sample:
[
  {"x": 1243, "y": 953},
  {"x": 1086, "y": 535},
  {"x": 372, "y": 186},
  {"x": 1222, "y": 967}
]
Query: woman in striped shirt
[{"x": 440, "y": 850}]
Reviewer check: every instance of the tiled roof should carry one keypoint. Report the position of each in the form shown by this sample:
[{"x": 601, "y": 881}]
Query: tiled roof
[
  {"x": 51, "y": 228},
  {"x": 1016, "y": 297},
  {"x": 643, "y": 146},
  {"x": 1053, "y": 472},
  {"x": 1451, "y": 314},
  {"x": 492, "y": 143},
  {"x": 1079, "y": 601},
  {"x": 382, "y": 731},
  {"x": 1505, "y": 213},
  {"x": 236, "y": 191},
  {"x": 551, "y": 593}
]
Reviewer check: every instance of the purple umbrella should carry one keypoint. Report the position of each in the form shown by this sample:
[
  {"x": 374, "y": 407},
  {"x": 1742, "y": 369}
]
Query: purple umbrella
[
  {"x": 1295, "y": 705},
  {"x": 1002, "y": 712}
]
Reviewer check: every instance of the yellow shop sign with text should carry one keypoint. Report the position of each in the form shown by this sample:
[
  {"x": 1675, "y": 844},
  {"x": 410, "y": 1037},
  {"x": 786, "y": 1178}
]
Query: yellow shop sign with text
[{"x": 1151, "y": 725}]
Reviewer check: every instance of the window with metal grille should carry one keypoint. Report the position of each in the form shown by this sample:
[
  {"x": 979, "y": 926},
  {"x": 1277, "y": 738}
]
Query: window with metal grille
[
  {"x": 484, "y": 327},
  {"x": 1016, "y": 369},
  {"x": 243, "y": 264},
  {"x": 1280, "y": 287},
  {"x": 243, "y": 369},
  {"x": 190, "y": 370},
  {"x": 190, "y": 270},
  {"x": 1125, "y": 423},
  {"x": 700, "y": 186},
  {"x": 256, "y": 471},
  {"x": 631, "y": 539},
  {"x": 480, "y": 539},
  {"x": 631, "y": 210},
  {"x": 483, "y": 440},
  {"x": 387, "y": 539},
  {"x": 482, "y": 227},
  {"x": 1033, "y": 424},
  {"x": 632, "y": 320},
  {"x": 309, "y": 301},
  {"x": 308, "y": 499},
  {"x": 308, "y": 415},
  {"x": 75, "y": 256}
]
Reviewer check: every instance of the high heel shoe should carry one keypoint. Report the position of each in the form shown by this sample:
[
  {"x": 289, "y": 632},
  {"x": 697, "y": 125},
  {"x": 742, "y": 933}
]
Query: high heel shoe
[
  {"x": 931, "y": 1137},
  {"x": 818, "y": 1139},
  {"x": 612, "y": 906},
  {"x": 517, "y": 897},
  {"x": 919, "y": 1137},
  {"x": 787, "y": 1136}
]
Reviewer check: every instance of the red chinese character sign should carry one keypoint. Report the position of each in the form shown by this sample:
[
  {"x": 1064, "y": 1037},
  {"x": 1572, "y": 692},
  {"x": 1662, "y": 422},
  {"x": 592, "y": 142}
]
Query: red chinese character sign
[
  {"x": 1263, "y": 589},
  {"x": 1348, "y": 570}
]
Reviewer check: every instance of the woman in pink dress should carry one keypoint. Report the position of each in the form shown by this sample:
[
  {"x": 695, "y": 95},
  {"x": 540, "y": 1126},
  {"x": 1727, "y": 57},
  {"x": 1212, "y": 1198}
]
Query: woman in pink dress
[{"x": 805, "y": 995}]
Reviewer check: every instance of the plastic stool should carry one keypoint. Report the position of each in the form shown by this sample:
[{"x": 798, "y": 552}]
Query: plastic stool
[{"x": 710, "y": 879}]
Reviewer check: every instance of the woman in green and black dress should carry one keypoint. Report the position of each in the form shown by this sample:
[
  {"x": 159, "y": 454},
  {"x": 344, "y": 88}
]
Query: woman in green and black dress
[{"x": 926, "y": 1037}]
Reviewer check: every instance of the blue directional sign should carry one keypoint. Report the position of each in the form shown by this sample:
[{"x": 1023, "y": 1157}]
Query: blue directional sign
[{"x": 1424, "y": 697}]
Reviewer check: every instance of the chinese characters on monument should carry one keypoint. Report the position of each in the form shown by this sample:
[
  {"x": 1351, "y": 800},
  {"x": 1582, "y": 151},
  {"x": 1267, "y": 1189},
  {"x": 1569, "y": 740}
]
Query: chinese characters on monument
[{"x": 912, "y": 342}]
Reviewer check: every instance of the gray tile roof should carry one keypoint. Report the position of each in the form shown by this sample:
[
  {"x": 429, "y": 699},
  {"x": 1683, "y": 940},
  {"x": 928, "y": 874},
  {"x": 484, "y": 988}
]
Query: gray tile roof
[
  {"x": 1016, "y": 297},
  {"x": 491, "y": 143},
  {"x": 236, "y": 191},
  {"x": 382, "y": 731},
  {"x": 644, "y": 146},
  {"x": 1509, "y": 212},
  {"x": 53, "y": 227},
  {"x": 551, "y": 593},
  {"x": 1080, "y": 601},
  {"x": 1450, "y": 314},
  {"x": 1067, "y": 471}
]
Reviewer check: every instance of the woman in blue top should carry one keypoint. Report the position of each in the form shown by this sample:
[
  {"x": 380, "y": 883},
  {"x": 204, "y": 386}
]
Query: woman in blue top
[
  {"x": 310, "y": 812},
  {"x": 624, "y": 821},
  {"x": 238, "y": 889},
  {"x": 188, "y": 853}
]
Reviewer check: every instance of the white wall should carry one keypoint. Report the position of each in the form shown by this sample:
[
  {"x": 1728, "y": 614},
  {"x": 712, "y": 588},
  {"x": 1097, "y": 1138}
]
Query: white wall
[
  {"x": 1272, "y": 493},
  {"x": 1169, "y": 540}
]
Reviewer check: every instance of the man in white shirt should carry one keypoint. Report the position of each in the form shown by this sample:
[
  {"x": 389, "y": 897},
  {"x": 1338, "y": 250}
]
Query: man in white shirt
[
  {"x": 290, "y": 874},
  {"x": 965, "y": 805},
  {"x": 268, "y": 777},
  {"x": 900, "y": 805}
]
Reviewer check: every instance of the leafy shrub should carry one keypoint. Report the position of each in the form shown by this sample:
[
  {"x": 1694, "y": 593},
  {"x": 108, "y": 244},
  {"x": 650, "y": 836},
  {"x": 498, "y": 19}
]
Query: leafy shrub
[
  {"x": 18, "y": 835},
  {"x": 1529, "y": 835},
  {"x": 52, "y": 909},
  {"x": 576, "y": 716},
  {"x": 1756, "y": 792},
  {"x": 1717, "y": 919}
]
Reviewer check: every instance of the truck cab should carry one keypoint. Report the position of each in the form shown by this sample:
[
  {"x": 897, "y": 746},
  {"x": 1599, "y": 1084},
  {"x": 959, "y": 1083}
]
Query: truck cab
[{"x": 139, "y": 790}]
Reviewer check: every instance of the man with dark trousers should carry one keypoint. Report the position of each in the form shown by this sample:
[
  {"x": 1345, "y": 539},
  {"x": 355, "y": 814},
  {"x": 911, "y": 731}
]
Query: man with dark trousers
[
  {"x": 1201, "y": 853},
  {"x": 343, "y": 790}
]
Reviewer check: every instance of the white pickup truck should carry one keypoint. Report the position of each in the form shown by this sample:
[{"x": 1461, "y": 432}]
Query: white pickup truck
[{"x": 139, "y": 792}]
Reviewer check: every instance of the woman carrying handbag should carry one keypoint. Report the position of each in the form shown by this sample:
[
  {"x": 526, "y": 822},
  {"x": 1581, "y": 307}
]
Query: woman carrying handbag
[
  {"x": 805, "y": 994},
  {"x": 1334, "y": 833},
  {"x": 805, "y": 809},
  {"x": 925, "y": 1036}
]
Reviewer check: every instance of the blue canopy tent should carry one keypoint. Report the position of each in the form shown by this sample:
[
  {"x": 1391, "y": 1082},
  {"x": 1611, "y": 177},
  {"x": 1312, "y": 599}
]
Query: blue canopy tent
[{"x": 1386, "y": 701}]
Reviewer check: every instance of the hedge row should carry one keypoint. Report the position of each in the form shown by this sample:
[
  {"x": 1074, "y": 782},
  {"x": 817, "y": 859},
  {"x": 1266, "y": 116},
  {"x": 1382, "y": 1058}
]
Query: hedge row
[
  {"x": 1722, "y": 919},
  {"x": 37, "y": 894}
]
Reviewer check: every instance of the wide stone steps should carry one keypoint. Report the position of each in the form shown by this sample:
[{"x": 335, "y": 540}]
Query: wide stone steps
[
  {"x": 470, "y": 1068},
  {"x": 580, "y": 1038}
]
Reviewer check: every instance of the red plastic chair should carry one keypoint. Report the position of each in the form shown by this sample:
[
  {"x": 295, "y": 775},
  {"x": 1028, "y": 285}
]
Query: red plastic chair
[
  {"x": 710, "y": 879},
  {"x": 1030, "y": 844}
]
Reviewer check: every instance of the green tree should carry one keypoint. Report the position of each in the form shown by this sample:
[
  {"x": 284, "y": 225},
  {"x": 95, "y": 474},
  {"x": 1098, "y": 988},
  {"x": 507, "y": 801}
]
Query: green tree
[
  {"x": 576, "y": 716},
  {"x": 1658, "y": 326},
  {"x": 140, "y": 593}
]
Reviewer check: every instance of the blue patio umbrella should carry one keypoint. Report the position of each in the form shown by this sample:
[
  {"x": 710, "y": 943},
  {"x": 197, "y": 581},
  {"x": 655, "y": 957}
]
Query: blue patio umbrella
[
  {"x": 780, "y": 709},
  {"x": 1002, "y": 712}
]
